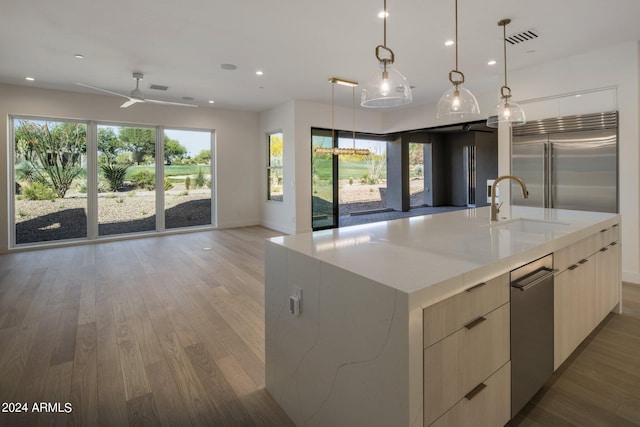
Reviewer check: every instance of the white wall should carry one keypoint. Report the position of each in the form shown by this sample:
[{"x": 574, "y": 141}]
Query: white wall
[
  {"x": 237, "y": 163},
  {"x": 280, "y": 216}
]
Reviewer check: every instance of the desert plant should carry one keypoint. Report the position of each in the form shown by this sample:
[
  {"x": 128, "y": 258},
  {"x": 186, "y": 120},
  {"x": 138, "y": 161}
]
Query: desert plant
[
  {"x": 144, "y": 178},
  {"x": 38, "y": 191},
  {"x": 187, "y": 182},
  {"x": 57, "y": 150},
  {"x": 167, "y": 184},
  {"x": 199, "y": 179},
  {"x": 27, "y": 172},
  {"x": 119, "y": 200},
  {"x": 114, "y": 174},
  {"x": 131, "y": 193}
]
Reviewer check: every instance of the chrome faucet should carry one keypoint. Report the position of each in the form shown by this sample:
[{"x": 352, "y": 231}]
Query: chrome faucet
[{"x": 495, "y": 209}]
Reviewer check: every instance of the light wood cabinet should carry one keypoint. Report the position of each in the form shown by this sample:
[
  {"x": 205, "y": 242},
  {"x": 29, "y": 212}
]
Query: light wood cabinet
[
  {"x": 448, "y": 316},
  {"x": 466, "y": 340},
  {"x": 487, "y": 406},
  {"x": 460, "y": 362},
  {"x": 585, "y": 289},
  {"x": 574, "y": 308}
]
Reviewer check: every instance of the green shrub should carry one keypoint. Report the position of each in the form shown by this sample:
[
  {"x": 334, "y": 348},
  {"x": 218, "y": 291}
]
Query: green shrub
[
  {"x": 114, "y": 174},
  {"x": 38, "y": 191},
  {"x": 131, "y": 193},
  {"x": 187, "y": 182},
  {"x": 199, "y": 179},
  {"x": 144, "y": 178},
  {"x": 119, "y": 200},
  {"x": 167, "y": 184}
]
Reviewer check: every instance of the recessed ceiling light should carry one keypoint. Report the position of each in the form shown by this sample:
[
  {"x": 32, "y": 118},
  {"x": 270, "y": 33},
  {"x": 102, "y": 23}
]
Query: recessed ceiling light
[
  {"x": 188, "y": 98},
  {"x": 492, "y": 62},
  {"x": 382, "y": 14},
  {"x": 211, "y": 101},
  {"x": 449, "y": 43},
  {"x": 29, "y": 78},
  {"x": 259, "y": 73},
  {"x": 531, "y": 51},
  {"x": 78, "y": 56},
  {"x": 228, "y": 66}
]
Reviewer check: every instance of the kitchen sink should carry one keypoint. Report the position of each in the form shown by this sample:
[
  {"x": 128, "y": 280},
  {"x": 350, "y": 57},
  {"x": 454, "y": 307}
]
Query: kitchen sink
[{"x": 525, "y": 225}]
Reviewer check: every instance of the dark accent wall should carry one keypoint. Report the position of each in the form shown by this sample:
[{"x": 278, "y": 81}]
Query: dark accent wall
[{"x": 445, "y": 182}]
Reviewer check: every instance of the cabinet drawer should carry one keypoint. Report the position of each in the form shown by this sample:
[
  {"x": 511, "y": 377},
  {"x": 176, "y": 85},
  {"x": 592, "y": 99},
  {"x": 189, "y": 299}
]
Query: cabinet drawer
[
  {"x": 565, "y": 257},
  {"x": 446, "y": 317},
  {"x": 489, "y": 407},
  {"x": 608, "y": 235},
  {"x": 455, "y": 365}
]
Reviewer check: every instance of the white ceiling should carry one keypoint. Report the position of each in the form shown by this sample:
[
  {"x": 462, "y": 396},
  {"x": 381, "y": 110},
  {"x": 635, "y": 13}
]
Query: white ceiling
[{"x": 298, "y": 44}]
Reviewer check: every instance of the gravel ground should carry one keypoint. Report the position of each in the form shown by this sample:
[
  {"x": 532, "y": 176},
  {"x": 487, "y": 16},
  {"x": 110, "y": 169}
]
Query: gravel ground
[
  {"x": 44, "y": 220},
  {"x": 360, "y": 197}
]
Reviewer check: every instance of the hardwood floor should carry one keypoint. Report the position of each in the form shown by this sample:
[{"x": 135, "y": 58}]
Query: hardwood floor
[
  {"x": 152, "y": 331},
  {"x": 158, "y": 331}
]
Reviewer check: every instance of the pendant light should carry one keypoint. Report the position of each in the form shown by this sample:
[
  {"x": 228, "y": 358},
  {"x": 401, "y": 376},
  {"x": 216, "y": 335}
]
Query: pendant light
[
  {"x": 506, "y": 111},
  {"x": 457, "y": 102},
  {"x": 336, "y": 150},
  {"x": 388, "y": 87}
]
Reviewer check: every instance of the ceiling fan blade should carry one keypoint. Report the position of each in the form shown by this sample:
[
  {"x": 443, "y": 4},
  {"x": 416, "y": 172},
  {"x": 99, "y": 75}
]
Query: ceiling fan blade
[
  {"x": 130, "y": 102},
  {"x": 179, "y": 104},
  {"x": 103, "y": 90}
]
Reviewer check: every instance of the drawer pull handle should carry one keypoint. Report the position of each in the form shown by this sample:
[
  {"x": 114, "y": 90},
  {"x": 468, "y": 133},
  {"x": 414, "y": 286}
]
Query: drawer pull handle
[
  {"x": 475, "y": 323},
  {"x": 475, "y": 391},
  {"x": 605, "y": 249},
  {"x": 613, "y": 243},
  {"x": 583, "y": 261},
  {"x": 573, "y": 267},
  {"x": 479, "y": 285},
  {"x": 603, "y": 230},
  {"x": 615, "y": 225}
]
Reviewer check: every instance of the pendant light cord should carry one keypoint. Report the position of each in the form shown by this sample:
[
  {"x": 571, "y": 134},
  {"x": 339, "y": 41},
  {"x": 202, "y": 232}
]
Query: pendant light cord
[
  {"x": 456, "y": 35},
  {"x": 333, "y": 127},
  {"x": 385, "y": 24},
  {"x": 504, "y": 43}
]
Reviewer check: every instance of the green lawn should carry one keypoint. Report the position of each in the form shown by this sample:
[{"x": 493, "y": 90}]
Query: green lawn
[
  {"x": 346, "y": 170},
  {"x": 171, "y": 170}
]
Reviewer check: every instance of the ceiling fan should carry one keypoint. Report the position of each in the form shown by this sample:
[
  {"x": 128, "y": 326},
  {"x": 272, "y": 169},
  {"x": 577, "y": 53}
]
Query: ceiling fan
[{"x": 136, "y": 95}]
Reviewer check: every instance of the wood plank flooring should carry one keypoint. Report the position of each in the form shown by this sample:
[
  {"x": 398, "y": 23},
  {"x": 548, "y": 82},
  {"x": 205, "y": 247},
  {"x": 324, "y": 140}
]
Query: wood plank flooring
[
  {"x": 153, "y": 331},
  {"x": 158, "y": 331}
]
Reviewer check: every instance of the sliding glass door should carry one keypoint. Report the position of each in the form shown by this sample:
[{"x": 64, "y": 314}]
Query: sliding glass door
[{"x": 324, "y": 175}]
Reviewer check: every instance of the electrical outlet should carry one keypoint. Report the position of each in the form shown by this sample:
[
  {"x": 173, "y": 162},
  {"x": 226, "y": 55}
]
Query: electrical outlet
[{"x": 295, "y": 302}]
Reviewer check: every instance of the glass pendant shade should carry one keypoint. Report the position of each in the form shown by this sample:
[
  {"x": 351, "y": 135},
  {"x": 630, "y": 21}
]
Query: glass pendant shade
[
  {"x": 506, "y": 112},
  {"x": 457, "y": 103},
  {"x": 387, "y": 88}
]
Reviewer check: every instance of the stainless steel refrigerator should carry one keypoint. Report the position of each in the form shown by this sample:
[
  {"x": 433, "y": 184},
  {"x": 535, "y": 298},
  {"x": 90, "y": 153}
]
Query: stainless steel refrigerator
[{"x": 567, "y": 170}]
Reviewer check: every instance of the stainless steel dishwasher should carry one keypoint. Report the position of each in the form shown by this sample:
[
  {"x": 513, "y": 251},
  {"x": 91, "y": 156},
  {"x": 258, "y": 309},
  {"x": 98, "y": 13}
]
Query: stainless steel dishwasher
[{"x": 531, "y": 330}]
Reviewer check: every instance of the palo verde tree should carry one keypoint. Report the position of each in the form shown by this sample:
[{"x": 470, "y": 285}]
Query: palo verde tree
[
  {"x": 140, "y": 142},
  {"x": 56, "y": 151},
  {"x": 173, "y": 150}
]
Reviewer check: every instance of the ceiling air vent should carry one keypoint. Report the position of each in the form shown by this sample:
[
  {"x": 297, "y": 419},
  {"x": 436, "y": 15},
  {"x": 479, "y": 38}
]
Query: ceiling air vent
[
  {"x": 523, "y": 36},
  {"x": 158, "y": 87}
]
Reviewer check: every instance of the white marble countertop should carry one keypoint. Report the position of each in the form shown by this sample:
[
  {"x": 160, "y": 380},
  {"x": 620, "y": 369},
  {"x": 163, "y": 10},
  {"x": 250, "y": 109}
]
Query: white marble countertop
[{"x": 448, "y": 251}]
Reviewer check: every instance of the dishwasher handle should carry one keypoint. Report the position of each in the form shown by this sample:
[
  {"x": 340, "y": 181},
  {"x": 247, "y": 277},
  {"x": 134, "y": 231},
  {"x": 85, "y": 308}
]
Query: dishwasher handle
[{"x": 535, "y": 278}]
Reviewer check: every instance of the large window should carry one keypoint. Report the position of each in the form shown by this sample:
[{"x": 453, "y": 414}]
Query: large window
[
  {"x": 50, "y": 176},
  {"x": 86, "y": 180},
  {"x": 187, "y": 178},
  {"x": 126, "y": 179},
  {"x": 275, "y": 188}
]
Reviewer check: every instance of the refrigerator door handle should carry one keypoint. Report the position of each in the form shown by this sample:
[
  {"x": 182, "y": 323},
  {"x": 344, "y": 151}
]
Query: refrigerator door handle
[{"x": 549, "y": 176}]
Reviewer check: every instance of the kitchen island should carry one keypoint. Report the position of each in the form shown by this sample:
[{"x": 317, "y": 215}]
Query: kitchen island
[{"x": 361, "y": 321}]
